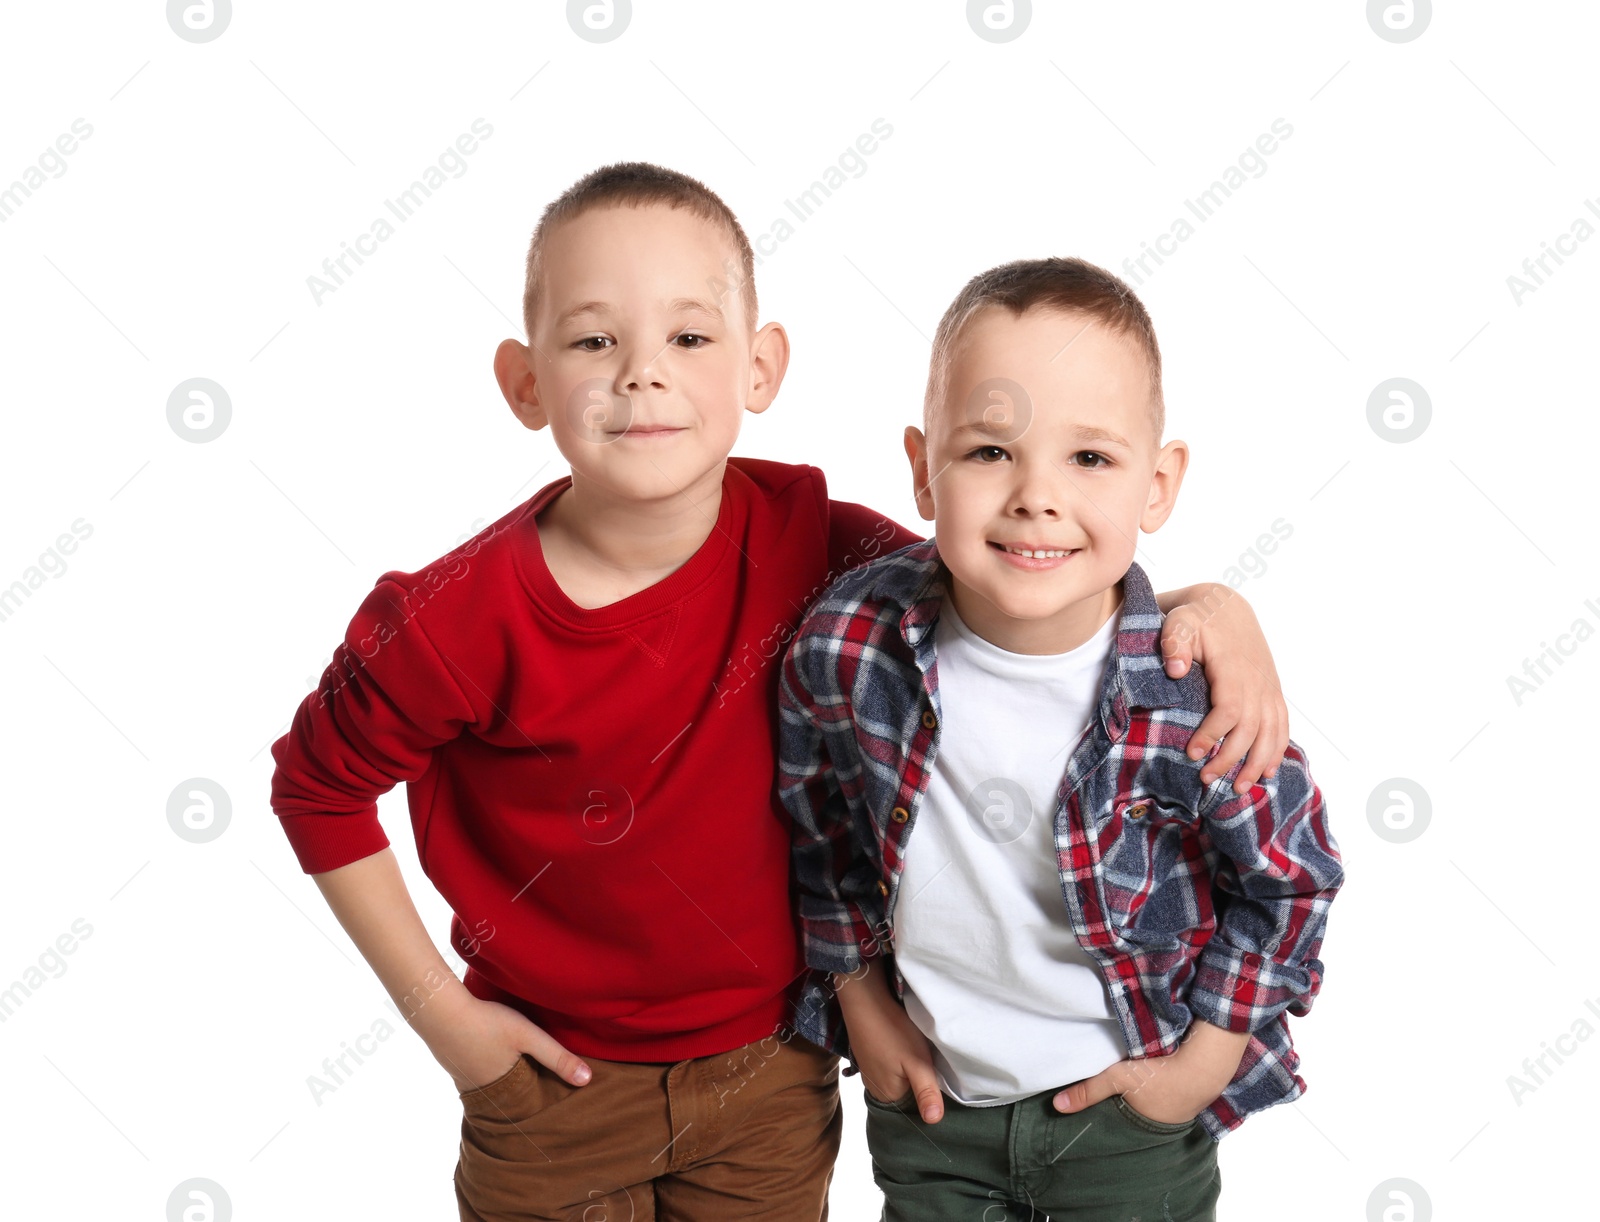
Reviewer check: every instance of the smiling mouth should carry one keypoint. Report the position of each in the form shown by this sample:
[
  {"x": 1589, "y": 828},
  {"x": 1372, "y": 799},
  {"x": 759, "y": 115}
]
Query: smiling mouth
[{"x": 1035, "y": 553}]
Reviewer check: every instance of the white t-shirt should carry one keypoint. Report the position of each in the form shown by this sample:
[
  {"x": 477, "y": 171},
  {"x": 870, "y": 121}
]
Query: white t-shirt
[{"x": 994, "y": 977}]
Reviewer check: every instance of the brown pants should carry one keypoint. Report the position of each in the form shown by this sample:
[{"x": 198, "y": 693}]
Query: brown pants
[{"x": 750, "y": 1133}]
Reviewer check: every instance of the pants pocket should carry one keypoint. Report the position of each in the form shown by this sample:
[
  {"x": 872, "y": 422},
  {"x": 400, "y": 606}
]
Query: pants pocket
[
  {"x": 1140, "y": 1121},
  {"x": 513, "y": 1095},
  {"x": 906, "y": 1100}
]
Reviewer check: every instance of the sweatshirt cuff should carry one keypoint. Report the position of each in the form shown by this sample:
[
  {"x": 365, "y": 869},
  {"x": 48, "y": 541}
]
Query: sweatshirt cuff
[{"x": 326, "y": 842}]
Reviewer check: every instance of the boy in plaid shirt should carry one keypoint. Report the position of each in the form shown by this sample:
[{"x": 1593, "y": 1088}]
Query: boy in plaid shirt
[{"x": 1073, "y": 977}]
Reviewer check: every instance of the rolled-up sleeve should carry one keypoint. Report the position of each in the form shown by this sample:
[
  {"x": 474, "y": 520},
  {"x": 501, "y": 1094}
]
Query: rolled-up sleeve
[
  {"x": 1278, "y": 871},
  {"x": 833, "y": 872}
]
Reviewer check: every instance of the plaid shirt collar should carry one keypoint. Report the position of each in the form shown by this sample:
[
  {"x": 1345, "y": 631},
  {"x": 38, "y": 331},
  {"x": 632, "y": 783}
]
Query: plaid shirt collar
[{"x": 1138, "y": 680}]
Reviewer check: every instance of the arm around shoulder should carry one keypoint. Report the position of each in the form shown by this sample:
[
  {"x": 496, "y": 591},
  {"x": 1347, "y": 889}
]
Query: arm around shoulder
[{"x": 1213, "y": 625}]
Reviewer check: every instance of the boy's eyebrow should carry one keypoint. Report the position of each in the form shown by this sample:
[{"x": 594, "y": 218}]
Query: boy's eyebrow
[
  {"x": 695, "y": 303},
  {"x": 584, "y": 307},
  {"x": 676, "y": 306},
  {"x": 1089, "y": 432},
  {"x": 1083, "y": 432}
]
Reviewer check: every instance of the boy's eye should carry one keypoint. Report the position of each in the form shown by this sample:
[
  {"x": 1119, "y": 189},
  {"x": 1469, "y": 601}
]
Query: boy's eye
[
  {"x": 691, "y": 341},
  {"x": 986, "y": 450},
  {"x": 1100, "y": 460},
  {"x": 592, "y": 343}
]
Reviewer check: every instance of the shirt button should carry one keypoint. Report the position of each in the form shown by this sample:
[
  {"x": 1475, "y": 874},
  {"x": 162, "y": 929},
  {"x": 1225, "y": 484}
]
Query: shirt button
[
  {"x": 1139, "y": 810},
  {"x": 929, "y": 720},
  {"x": 883, "y": 887},
  {"x": 899, "y": 814}
]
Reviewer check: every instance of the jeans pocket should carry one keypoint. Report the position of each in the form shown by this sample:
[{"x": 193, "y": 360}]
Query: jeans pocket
[
  {"x": 905, "y": 1101},
  {"x": 1139, "y": 1120},
  {"x": 493, "y": 1097}
]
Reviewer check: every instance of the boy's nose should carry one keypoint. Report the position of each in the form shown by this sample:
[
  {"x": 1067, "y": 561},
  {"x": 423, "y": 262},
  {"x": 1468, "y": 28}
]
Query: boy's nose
[
  {"x": 1026, "y": 504},
  {"x": 645, "y": 380},
  {"x": 643, "y": 369}
]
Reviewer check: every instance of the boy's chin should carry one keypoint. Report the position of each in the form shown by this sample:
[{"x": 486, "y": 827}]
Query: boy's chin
[
  {"x": 1022, "y": 610},
  {"x": 642, "y": 471},
  {"x": 1025, "y": 597}
]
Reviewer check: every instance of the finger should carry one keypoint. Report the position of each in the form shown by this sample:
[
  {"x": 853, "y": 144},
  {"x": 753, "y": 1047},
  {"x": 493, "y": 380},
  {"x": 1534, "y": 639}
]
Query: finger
[
  {"x": 1235, "y": 748},
  {"x": 568, "y": 1066},
  {"x": 1088, "y": 1092},
  {"x": 1218, "y": 722},
  {"x": 1234, "y": 745},
  {"x": 925, "y": 1086},
  {"x": 1266, "y": 753},
  {"x": 1177, "y": 644},
  {"x": 1280, "y": 734},
  {"x": 1250, "y": 770}
]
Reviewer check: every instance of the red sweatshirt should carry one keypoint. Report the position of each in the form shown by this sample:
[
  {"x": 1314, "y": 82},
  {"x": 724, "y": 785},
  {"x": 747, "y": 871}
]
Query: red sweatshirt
[{"x": 592, "y": 791}]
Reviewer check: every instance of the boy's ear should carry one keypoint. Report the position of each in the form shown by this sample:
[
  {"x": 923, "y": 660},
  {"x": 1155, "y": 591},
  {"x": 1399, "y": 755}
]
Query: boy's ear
[
  {"x": 513, "y": 369},
  {"x": 917, "y": 451},
  {"x": 769, "y": 358},
  {"x": 1171, "y": 463}
]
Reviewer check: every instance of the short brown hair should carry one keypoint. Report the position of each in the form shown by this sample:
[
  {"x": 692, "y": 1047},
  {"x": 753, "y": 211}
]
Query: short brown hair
[
  {"x": 1070, "y": 285},
  {"x": 637, "y": 184}
]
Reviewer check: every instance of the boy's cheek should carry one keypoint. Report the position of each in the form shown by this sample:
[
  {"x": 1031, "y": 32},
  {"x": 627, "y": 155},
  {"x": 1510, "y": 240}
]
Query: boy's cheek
[{"x": 590, "y": 410}]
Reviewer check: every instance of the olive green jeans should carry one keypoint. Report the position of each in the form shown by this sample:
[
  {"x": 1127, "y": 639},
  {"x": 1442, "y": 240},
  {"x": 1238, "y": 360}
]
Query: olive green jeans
[{"x": 1027, "y": 1162}]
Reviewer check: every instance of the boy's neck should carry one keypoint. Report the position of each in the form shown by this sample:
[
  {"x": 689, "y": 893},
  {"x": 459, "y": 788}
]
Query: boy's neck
[
  {"x": 1062, "y": 632},
  {"x": 601, "y": 548}
]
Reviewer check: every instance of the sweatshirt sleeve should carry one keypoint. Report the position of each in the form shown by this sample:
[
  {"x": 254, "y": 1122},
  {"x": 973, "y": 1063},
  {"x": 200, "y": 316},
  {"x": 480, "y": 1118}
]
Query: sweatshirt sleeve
[
  {"x": 857, "y": 534},
  {"x": 385, "y": 702}
]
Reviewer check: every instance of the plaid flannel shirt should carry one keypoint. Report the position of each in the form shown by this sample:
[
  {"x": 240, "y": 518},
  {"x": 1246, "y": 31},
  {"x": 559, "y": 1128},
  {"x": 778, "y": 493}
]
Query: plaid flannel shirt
[{"x": 1194, "y": 901}]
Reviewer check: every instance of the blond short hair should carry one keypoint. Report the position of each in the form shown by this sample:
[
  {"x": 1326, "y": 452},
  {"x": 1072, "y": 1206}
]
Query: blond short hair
[
  {"x": 638, "y": 184},
  {"x": 1069, "y": 285}
]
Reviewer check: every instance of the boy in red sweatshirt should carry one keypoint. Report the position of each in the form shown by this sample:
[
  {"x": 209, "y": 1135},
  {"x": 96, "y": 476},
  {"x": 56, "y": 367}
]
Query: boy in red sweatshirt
[{"x": 581, "y": 700}]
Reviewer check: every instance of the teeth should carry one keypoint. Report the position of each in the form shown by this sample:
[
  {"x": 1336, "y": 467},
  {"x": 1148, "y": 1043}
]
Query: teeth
[{"x": 1037, "y": 555}]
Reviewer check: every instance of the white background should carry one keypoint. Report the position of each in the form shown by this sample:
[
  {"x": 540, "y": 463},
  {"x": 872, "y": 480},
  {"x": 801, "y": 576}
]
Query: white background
[{"x": 367, "y": 434}]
